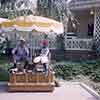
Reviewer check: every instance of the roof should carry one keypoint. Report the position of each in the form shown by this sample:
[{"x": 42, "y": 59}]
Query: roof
[{"x": 84, "y": 4}]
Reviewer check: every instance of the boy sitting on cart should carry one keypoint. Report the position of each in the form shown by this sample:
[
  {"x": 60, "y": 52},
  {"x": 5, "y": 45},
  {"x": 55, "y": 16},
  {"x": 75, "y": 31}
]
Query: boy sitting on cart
[
  {"x": 20, "y": 54},
  {"x": 43, "y": 58}
]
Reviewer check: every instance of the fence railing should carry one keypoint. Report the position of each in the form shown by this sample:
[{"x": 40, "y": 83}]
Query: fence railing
[
  {"x": 70, "y": 44},
  {"x": 79, "y": 44}
]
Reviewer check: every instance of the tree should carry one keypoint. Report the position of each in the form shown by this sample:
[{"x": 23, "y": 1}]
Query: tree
[
  {"x": 57, "y": 9},
  {"x": 7, "y": 4},
  {"x": 12, "y": 8},
  {"x": 44, "y": 7}
]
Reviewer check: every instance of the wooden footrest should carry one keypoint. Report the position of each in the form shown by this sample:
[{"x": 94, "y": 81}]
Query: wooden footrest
[{"x": 35, "y": 87}]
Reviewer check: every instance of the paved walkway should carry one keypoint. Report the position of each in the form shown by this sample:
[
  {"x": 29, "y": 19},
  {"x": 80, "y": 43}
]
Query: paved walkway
[{"x": 67, "y": 91}]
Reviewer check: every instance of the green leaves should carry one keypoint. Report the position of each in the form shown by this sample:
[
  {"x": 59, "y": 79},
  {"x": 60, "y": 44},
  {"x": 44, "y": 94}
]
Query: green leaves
[
  {"x": 11, "y": 14},
  {"x": 67, "y": 70},
  {"x": 70, "y": 70},
  {"x": 4, "y": 75}
]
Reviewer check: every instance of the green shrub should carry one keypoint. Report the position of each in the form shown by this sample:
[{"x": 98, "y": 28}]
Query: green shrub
[
  {"x": 67, "y": 70},
  {"x": 4, "y": 75},
  {"x": 70, "y": 70}
]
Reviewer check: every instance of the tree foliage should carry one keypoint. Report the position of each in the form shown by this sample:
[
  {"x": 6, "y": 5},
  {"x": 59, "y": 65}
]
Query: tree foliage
[{"x": 12, "y": 8}]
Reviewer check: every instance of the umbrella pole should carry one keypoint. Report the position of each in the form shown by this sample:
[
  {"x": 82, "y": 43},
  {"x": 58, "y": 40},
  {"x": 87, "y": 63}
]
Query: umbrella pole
[
  {"x": 16, "y": 38},
  {"x": 31, "y": 47}
]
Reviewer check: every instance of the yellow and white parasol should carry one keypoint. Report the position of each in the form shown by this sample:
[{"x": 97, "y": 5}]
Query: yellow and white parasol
[
  {"x": 37, "y": 23},
  {"x": 7, "y": 25},
  {"x": 3, "y": 20}
]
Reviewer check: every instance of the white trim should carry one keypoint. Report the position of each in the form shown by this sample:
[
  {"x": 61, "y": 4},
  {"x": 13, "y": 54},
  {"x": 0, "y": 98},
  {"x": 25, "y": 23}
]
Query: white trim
[
  {"x": 91, "y": 91},
  {"x": 78, "y": 49},
  {"x": 77, "y": 5},
  {"x": 18, "y": 28},
  {"x": 7, "y": 29}
]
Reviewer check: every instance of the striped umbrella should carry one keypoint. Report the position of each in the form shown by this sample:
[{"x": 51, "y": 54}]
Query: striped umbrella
[{"x": 30, "y": 23}]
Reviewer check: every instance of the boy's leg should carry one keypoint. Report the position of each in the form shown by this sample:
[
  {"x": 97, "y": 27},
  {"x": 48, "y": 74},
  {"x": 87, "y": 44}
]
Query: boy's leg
[
  {"x": 12, "y": 67},
  {"x": 26, "y": 65},
  {"x": 45, "y": 68},
  {"x": 14, "y": 64}
]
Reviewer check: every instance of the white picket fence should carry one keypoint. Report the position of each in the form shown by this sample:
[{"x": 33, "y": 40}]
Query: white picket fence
[
  {"x": 70, "y": 44},
  {"x": 79, "y": 44}
]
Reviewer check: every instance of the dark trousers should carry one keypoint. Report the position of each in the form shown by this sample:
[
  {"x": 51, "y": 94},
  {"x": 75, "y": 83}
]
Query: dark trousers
[{"x": 45, "y": 67}]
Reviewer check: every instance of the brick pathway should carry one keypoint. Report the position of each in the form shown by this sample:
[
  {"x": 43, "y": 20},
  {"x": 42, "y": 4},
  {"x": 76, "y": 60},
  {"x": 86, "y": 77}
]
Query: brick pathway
[{"x": 67, "y": 91}]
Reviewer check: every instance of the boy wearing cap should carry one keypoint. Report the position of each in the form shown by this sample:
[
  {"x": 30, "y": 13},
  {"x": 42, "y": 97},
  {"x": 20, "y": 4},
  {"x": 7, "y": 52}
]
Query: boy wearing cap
[
  {"x": 45, "y": 49},
  {"x": 21, "y": 52},
  {"x": 44, "y": 56}
]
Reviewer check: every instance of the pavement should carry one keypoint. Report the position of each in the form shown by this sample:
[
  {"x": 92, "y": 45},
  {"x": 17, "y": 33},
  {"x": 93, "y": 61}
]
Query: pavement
[{"x": 67, "y": 91}]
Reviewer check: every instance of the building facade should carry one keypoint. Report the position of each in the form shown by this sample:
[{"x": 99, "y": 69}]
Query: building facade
[{"x": 87, "y": 12}]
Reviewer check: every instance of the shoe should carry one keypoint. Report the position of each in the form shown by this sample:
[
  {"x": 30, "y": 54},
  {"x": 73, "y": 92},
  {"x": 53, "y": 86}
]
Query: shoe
[{"x": 57, "y": 83}]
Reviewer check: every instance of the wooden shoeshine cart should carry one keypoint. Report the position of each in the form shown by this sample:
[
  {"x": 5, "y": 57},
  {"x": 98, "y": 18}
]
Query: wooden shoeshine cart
[{"x": 31, "y": 82}]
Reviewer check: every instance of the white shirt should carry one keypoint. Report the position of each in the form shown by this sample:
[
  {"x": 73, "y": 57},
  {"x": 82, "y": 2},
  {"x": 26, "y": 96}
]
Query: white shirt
[{"x": 44, "y": 52}]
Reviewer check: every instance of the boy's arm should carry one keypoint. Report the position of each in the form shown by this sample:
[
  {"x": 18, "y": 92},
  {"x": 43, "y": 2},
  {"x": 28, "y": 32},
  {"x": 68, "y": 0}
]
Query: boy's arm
[
  {"x": 27, "y": 51},
  {"x": 14, "y": 51},
  {"x": 14, "y": 54},
  {"x": 47, "y": 52}
]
